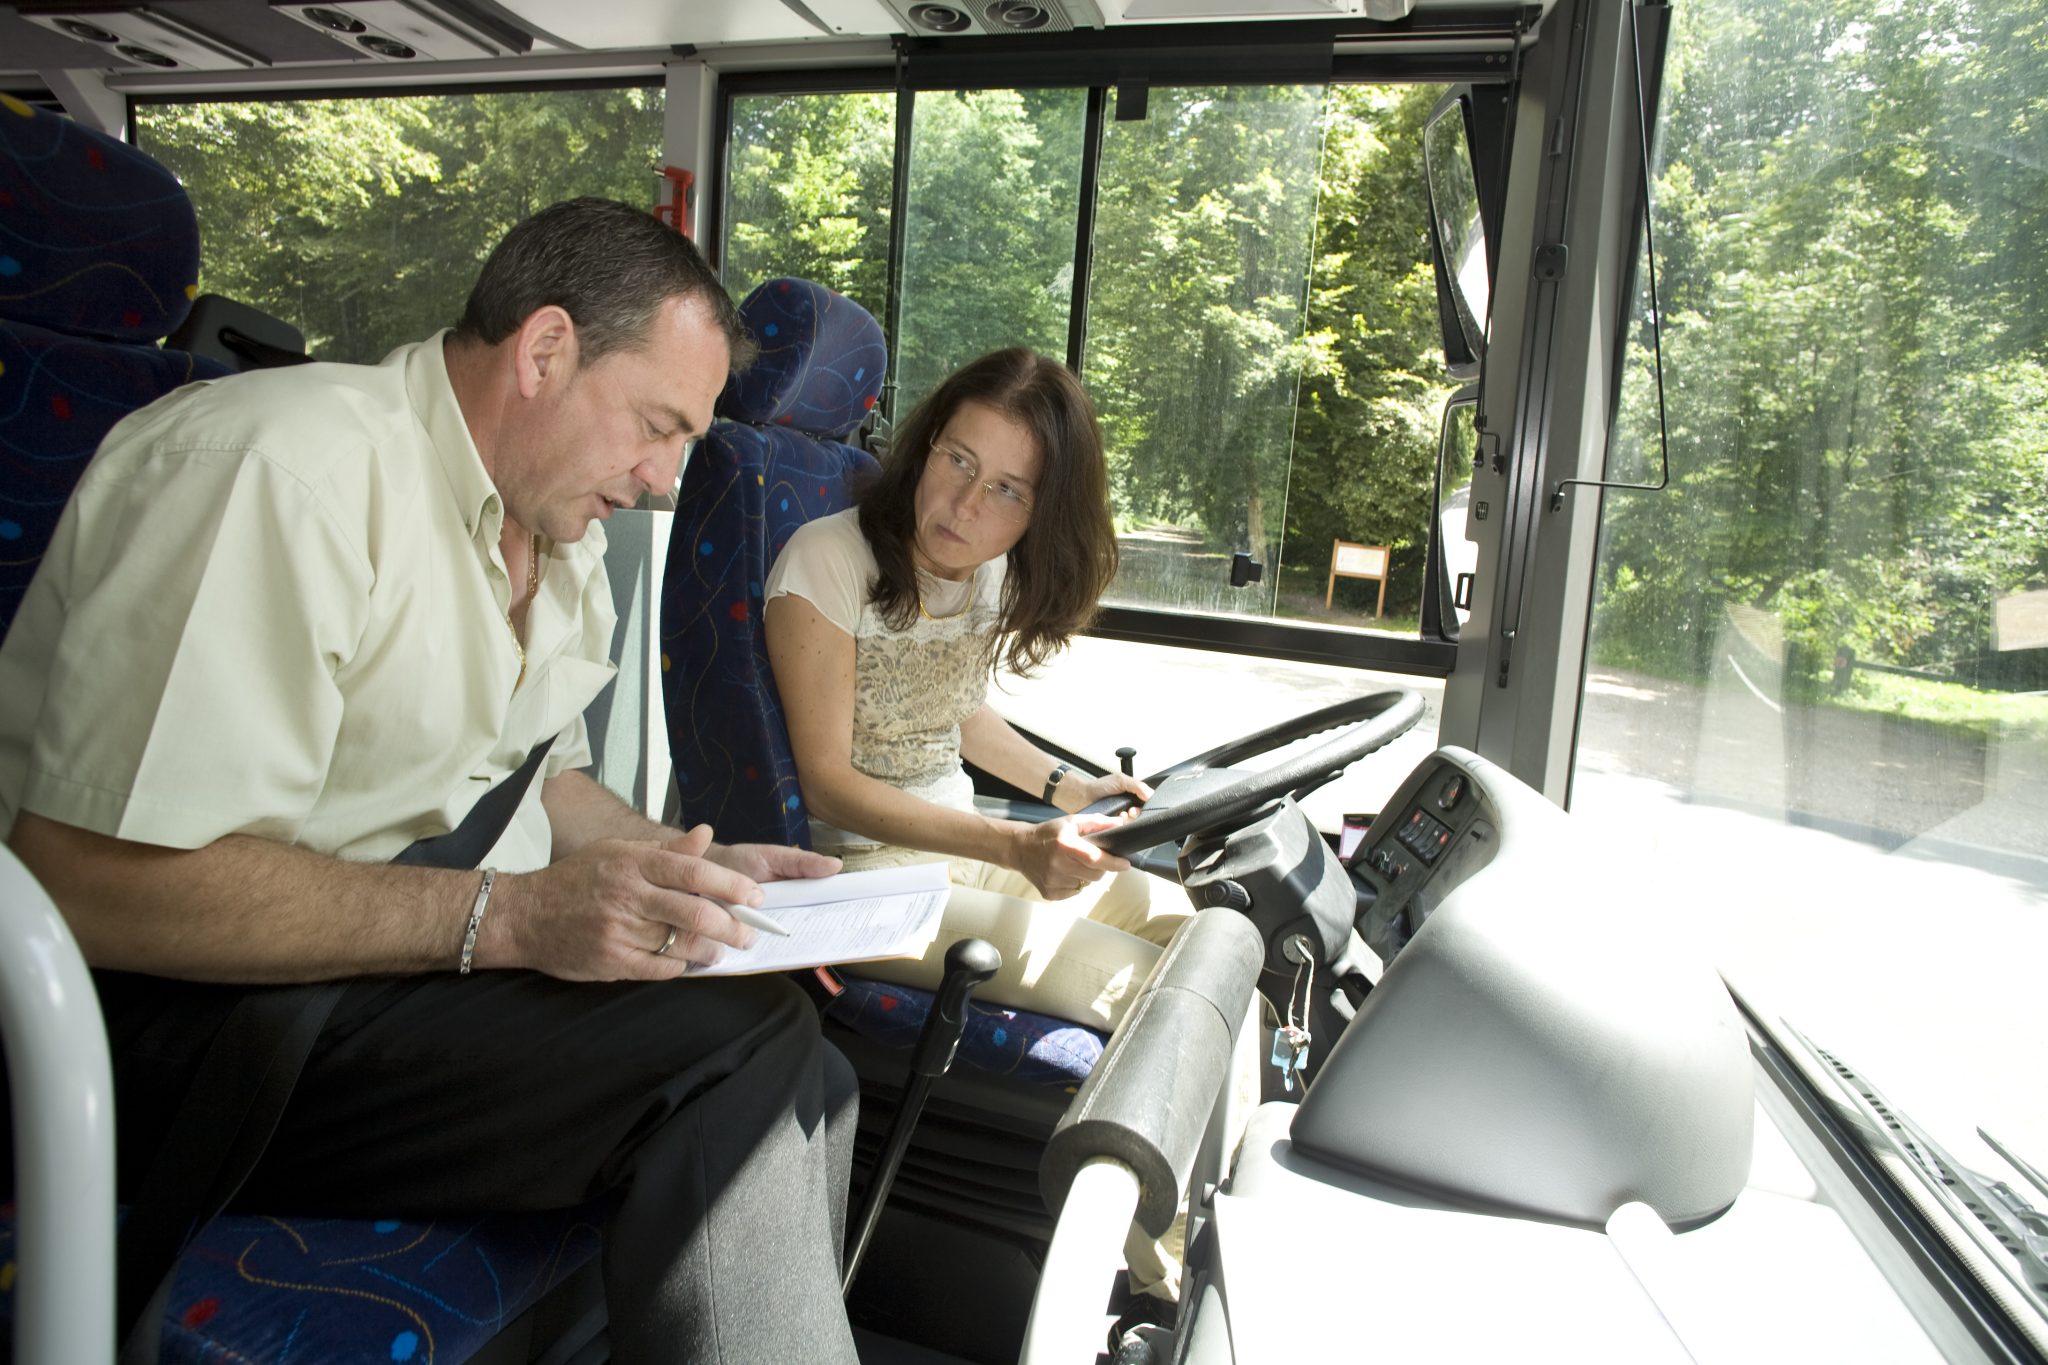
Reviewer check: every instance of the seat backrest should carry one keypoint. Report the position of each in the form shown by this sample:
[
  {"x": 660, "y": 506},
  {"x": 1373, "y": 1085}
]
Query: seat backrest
[
  {"x": 776, "y": 458},
  {"x": 99, "y": 257}
]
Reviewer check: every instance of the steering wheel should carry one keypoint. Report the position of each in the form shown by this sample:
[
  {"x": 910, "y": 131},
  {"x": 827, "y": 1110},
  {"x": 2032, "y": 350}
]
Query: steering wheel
[{"x": 1386, "y": 715}]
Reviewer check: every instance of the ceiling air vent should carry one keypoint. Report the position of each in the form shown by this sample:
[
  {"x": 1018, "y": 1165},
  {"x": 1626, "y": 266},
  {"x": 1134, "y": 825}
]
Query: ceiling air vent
[
  {"x": 150, "y": 37},
  {"x": 940, "y": 19},
  {"x": 411, "y": 30},
  {"x": 1027, "y": 16},
  {"x": 984, "y": 17}
]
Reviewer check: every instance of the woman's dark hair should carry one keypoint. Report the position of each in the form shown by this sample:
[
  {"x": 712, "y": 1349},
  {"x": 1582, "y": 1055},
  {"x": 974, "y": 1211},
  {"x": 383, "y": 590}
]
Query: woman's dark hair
[{"x": 1067, "y": 556}]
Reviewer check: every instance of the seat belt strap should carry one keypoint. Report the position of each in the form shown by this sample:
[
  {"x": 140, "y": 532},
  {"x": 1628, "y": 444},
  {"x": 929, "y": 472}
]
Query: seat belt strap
[
  {"x": 469, "y": 843},
  {"x": 247, "y": 1075}
]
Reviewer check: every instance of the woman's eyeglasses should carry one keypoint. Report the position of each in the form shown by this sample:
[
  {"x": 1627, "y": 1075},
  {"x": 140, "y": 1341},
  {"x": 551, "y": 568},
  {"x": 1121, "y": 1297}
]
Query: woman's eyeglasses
[{"x": 960, "y": 470}]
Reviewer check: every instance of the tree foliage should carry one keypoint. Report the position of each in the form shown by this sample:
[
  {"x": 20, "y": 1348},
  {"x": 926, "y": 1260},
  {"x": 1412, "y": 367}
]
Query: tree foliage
[
  {"x": 1852, "y": 284},
  {"x": 1850, "y": 214},
  {"x": 363, "y": 221},
  {"x": 1261, "y": 327}
]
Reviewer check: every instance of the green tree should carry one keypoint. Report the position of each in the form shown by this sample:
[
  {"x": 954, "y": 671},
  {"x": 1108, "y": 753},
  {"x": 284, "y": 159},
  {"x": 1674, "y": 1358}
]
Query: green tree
[
  {"x": 363, "y": 221},
  {"x": 809, "y": 190},
  {"x": 1852, "y": 338},
  {"x": 1365, "y": 433},
  {"x": 1204, "y": 226},
  {"x": 988, "y": 255}
]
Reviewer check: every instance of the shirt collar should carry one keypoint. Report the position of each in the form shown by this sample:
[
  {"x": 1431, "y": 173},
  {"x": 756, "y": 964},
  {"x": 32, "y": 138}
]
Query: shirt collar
[{"x": 433, "y": 401}]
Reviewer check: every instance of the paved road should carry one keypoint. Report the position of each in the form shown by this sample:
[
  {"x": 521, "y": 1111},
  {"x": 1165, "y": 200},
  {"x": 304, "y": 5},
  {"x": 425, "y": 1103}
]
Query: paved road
[{"x": 1886, "y": 780}]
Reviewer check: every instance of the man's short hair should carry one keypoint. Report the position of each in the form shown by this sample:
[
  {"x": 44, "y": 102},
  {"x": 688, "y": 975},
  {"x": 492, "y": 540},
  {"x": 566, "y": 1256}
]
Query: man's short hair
[{"x": 609, "y": 266}]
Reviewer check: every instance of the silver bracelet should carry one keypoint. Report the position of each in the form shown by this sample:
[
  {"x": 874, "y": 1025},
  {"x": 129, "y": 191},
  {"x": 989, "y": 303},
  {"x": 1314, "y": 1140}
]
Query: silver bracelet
[{"x": 476, "y": 919}]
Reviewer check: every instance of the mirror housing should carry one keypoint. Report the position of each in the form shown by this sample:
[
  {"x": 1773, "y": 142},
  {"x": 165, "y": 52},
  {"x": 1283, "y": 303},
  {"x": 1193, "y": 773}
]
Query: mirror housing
[{"x": 1458, "y": 242}]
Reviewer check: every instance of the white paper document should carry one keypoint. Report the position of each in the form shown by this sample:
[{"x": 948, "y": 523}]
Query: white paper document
[{"x": 853, "y": 917}]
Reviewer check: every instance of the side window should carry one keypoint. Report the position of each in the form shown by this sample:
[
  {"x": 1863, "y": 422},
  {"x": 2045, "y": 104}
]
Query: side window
[
  {"x": 808, "y": 185},
  {"x": 1818, "y": 660},
  {"x": 362, "y": 221}
]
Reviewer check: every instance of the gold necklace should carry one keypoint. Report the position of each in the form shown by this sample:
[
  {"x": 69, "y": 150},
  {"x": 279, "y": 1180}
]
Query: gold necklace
[
  {"x": 532, "y": 587},
  {"x": 925, "y": 611}
]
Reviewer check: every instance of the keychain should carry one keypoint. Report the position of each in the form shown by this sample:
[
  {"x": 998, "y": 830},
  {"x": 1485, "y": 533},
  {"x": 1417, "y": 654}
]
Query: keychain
[{"x": 1291, "y": 1040}]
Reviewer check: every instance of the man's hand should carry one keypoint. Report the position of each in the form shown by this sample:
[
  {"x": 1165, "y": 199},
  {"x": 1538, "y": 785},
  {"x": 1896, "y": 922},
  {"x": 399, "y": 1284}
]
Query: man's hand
[
  {"x": 604, "y": 912},
  {"x": 769, "y": 862}
]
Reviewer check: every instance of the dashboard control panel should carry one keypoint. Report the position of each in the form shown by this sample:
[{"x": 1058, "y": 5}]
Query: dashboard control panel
[{"x": 1437, "y": 831}]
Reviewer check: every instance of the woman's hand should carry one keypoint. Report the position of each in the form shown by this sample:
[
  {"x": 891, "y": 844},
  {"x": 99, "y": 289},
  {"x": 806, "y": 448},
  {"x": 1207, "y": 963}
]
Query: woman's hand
[
  {"x": 1059, "y": 860},
  {"x": 1084, "y": 791}
]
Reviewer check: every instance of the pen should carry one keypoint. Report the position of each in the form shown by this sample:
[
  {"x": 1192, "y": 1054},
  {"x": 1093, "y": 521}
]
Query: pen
[{"x": 748, "y": 915}]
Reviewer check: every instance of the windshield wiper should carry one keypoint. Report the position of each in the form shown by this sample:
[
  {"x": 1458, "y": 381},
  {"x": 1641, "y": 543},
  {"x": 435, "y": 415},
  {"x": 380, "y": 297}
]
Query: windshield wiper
[{"x": 2011, "y": 1221}]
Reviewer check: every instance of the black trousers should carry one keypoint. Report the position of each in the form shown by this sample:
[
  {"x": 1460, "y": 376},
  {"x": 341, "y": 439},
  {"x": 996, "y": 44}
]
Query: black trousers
[{"x": 712, "y": 1110}]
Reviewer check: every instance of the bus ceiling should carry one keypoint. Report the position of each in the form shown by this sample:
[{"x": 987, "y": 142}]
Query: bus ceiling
[{"x": 274, "y": 44}]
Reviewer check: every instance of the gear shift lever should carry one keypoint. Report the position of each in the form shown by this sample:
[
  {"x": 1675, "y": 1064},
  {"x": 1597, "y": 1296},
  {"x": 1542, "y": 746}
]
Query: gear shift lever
[{"x": 969, "y": 962}]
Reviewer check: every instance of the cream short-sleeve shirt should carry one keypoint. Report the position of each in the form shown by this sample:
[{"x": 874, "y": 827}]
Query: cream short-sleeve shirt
[
  {"x": 912, "y": 687},
  {"x": 275, "y": 606}
]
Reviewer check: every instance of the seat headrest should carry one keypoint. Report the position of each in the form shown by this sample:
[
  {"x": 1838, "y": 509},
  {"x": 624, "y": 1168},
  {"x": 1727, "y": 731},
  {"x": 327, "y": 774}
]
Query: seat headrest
[
  {"x": 96, "y": 239},
  {"x": 821, "y": 363}
]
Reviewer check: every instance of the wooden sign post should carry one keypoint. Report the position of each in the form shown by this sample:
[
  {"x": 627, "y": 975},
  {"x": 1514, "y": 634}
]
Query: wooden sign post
[{"x": 1358, "y": 561}]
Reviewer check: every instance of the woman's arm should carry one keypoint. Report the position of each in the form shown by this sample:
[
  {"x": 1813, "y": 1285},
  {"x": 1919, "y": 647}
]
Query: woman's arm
[
  {"x": 989, "y": 743},
  {"x": 813, "y": 661}
]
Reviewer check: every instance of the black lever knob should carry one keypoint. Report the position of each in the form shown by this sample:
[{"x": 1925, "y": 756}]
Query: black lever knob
[
  {"x": 1127, "y": 756},
  {"x": 969, "y": 963}
]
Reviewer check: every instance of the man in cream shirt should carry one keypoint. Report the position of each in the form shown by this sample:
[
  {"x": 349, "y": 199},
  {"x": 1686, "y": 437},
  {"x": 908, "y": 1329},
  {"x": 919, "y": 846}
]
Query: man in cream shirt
[{"x": 294, "y": 621}]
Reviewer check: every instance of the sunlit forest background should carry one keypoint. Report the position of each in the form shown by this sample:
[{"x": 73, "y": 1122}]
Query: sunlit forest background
[
  {"x": 1262, "y": 334},
  {"x": 1850, "y": 208}
]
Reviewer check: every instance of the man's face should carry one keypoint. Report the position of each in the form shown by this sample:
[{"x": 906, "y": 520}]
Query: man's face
[{"x": 602, "y": 433}]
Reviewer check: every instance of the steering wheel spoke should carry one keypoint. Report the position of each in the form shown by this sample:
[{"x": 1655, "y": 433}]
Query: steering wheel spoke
[{"x": 1373, "y": 719}]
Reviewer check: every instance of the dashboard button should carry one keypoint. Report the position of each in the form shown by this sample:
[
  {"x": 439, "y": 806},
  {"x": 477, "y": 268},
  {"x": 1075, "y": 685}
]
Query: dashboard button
[{"x": 1453, "y": 792}]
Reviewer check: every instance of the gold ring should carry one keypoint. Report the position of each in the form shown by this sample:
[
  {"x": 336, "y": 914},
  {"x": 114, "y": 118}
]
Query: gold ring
[{"x": 667, "y": 943}]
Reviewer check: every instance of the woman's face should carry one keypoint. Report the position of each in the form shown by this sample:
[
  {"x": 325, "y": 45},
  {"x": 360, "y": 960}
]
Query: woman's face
[{"x": 974, "y": 499}]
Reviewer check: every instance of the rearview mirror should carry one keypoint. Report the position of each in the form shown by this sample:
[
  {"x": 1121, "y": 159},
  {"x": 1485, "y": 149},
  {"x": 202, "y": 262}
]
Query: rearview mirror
[
  {"x": 1457, "y": 235},
  {"x": 1453, "y": 559}
]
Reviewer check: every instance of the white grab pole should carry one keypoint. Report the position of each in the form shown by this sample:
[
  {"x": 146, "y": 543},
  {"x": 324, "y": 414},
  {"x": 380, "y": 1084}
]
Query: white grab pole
[
  {"x": 1067, "y": 1315},
  {"x": 63, "y": 1101}
]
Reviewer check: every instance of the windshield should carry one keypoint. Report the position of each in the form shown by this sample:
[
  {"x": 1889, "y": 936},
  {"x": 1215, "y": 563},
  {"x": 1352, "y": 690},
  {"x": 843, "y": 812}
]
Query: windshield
[{"x": 1815, "y": 696}]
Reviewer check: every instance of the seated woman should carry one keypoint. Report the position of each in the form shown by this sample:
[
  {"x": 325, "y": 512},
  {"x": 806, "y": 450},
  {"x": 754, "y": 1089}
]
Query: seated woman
[{"x": 985, "y": 540}]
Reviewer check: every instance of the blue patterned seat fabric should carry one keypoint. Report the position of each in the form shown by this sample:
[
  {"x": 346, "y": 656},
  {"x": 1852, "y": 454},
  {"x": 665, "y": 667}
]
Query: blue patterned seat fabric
[
  {"x": 99, "y": 252},
  {"x": 99, "y": 256},
  {"x": 281, "y": 1290},
  {"x": 776, "y": 458},
  {"x": 1030, "y": 1047}
]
